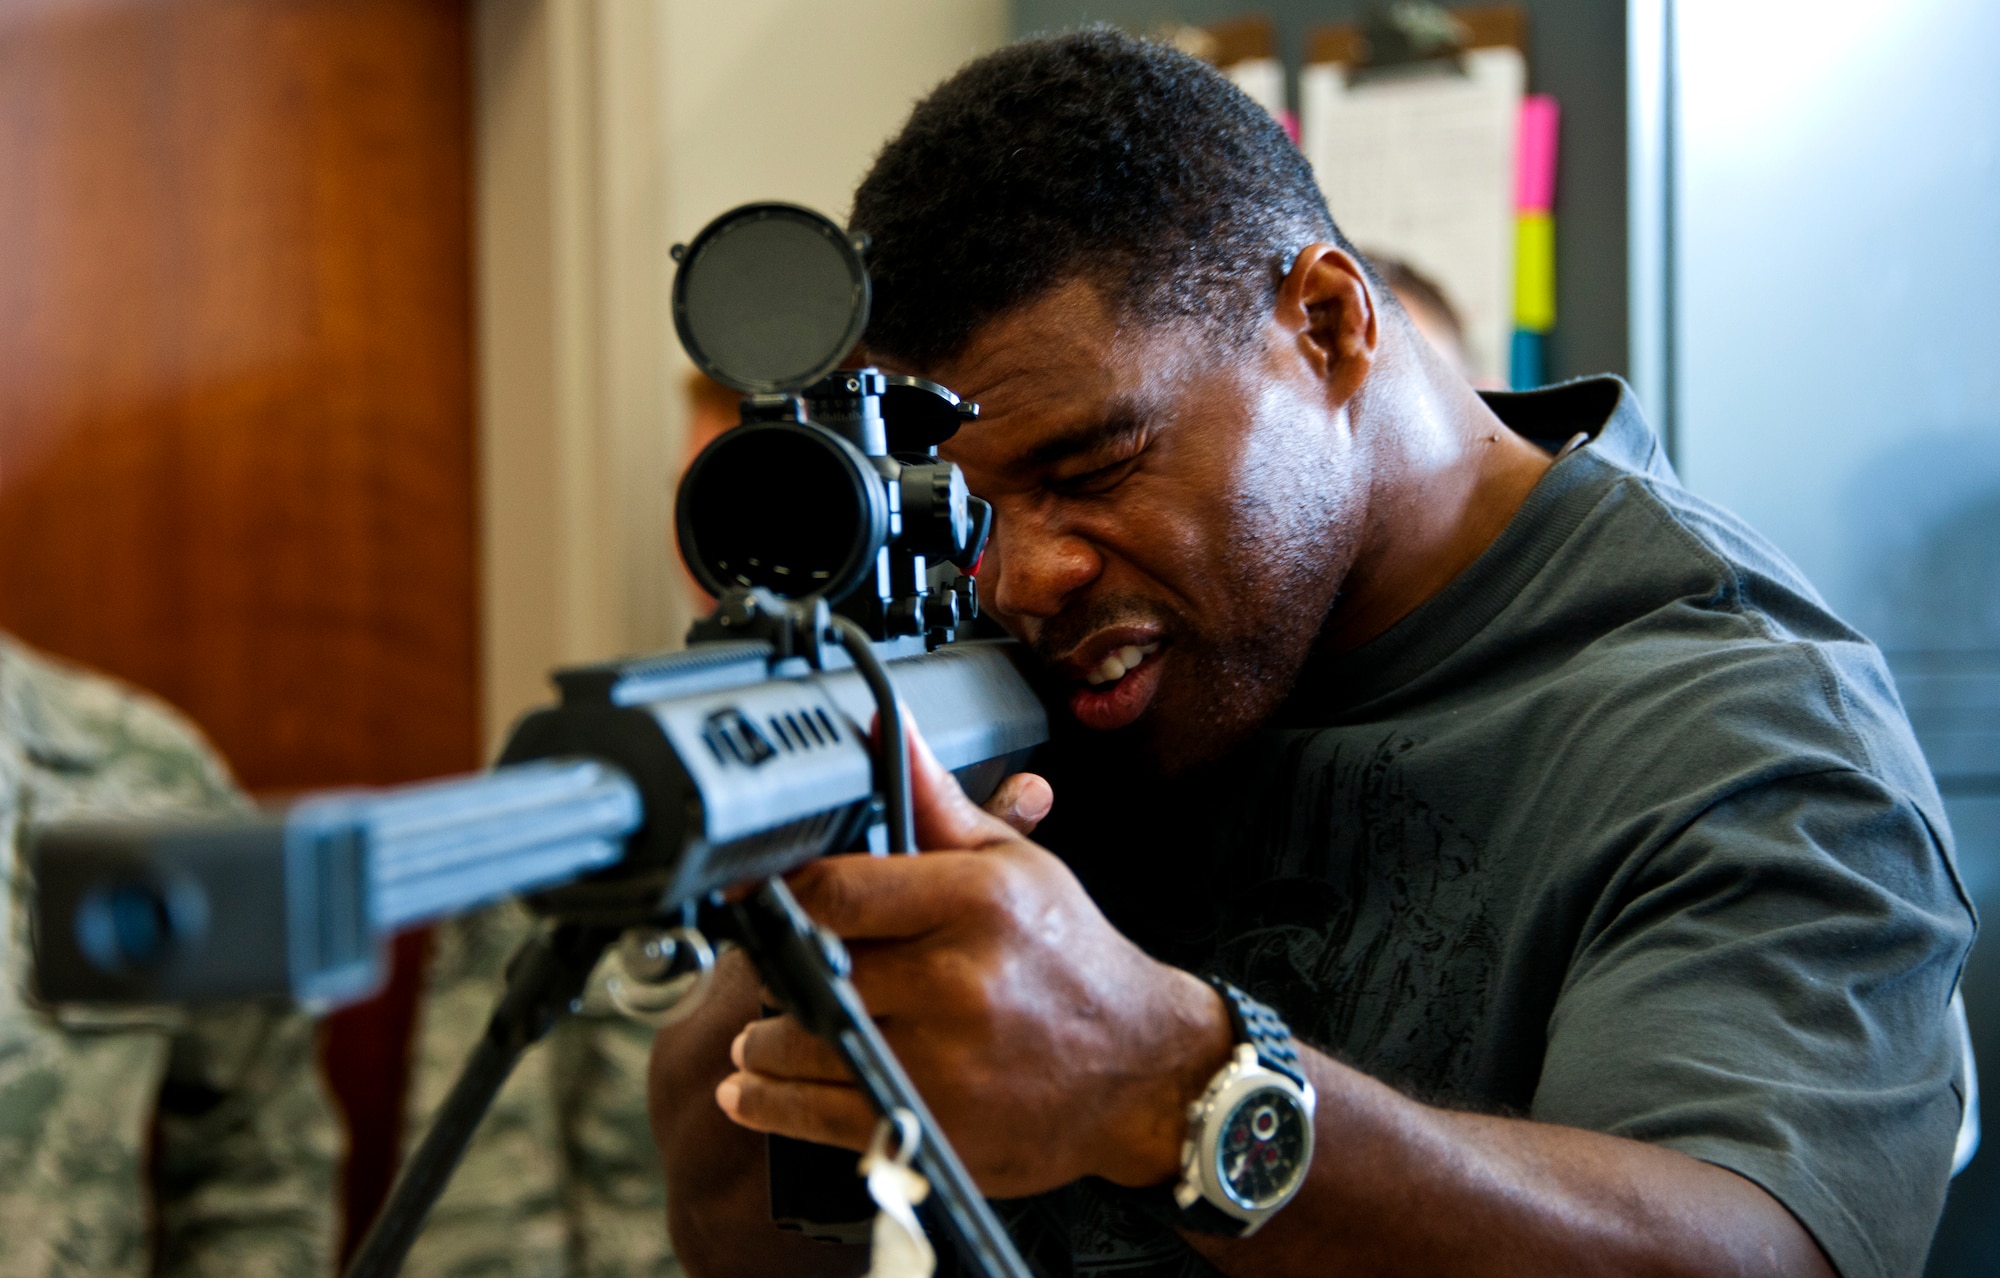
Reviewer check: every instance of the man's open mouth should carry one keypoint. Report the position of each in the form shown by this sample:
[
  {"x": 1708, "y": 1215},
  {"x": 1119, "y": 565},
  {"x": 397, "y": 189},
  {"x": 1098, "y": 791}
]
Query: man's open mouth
[
  {"x": 1117, "y": 690},
  {"x": 1118, "y": 664}
]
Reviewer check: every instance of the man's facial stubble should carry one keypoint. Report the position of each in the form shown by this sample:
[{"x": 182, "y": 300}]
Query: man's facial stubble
[{"x": 1288, "y": 540}]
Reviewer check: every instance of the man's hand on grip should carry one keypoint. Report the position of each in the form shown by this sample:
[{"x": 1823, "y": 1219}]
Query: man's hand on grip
[{"x": 1048, "y": 1045}]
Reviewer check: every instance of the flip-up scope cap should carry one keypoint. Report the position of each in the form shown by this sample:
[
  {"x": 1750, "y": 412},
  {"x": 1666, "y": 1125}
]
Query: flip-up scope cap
[{"x": 770, "y": 297}]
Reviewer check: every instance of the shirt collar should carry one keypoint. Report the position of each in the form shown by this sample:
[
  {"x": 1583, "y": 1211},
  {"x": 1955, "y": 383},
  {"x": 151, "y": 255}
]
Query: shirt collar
[{"x": 1603, "y": 408}]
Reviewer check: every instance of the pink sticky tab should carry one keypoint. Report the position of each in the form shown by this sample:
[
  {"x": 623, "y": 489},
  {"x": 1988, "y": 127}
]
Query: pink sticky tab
[{"x": 1535, "y": 158}]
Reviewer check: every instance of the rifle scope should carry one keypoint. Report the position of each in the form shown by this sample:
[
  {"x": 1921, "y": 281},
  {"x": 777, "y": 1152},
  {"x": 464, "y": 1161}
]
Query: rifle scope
[{"x": 829, "y": 484}]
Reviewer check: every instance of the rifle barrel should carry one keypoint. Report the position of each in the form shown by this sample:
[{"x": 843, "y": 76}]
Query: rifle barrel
[
  {"x": 129, "y": 912},
  {"x": 446, "y": 846}
]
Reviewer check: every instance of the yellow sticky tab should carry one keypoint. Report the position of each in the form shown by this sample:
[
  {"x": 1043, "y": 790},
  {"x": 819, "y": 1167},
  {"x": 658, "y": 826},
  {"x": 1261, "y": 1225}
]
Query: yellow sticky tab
[{"x": 1534, "y": 272}]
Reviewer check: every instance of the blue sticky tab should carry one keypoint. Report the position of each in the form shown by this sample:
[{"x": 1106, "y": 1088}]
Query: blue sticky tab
[{"x": 1527, "y": 365}]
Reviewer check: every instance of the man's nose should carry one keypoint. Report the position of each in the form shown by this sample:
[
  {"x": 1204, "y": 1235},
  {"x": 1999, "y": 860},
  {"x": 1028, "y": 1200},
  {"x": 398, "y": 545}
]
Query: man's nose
[{"x": 1033, "y": 570}]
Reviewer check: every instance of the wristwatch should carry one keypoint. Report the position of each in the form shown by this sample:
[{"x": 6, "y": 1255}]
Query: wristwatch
[{"x": 1250, "y": 1136}]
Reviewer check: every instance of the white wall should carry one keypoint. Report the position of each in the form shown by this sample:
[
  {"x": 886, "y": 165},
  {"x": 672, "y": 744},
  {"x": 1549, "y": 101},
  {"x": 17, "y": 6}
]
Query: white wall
[
  {"x": 608, "y": 130},
  {"x": 790, "y": 99}
]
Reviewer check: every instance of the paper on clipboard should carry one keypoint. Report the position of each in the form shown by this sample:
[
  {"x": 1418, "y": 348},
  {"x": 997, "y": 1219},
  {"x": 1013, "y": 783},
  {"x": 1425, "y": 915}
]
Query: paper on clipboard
[{"x": 1421, "y": 165}]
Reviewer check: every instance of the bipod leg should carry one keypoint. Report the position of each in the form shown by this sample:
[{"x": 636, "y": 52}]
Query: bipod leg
[
  {"x": 545, "y": 978},
  {"x": 807, "y": 969}
]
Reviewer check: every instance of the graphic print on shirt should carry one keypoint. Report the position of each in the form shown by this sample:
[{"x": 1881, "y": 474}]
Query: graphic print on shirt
[{"x": 1371, "y": 935}]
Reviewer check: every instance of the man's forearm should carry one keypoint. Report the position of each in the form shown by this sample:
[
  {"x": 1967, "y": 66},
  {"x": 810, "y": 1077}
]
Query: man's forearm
[
  {"x": 718, "y": 1195},
  {"x": 719, "y": 1214},
  {"x": 1402, "y": 1188},
  {"x": 1395, "y": 1187}
]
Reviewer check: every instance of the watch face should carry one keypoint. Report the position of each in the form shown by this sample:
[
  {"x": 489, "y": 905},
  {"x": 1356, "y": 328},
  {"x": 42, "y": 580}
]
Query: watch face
[{"x": 1262, "y": 1147}]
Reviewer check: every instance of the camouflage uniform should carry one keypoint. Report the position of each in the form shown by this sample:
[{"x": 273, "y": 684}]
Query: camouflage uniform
[
  {"x": 563, "y": 1180},
  {"x": 156, "y": 1142}
]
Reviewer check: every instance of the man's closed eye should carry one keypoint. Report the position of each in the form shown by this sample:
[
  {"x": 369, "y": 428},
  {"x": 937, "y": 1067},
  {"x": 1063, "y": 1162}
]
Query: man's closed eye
[{"x": 1102, "y": 479}]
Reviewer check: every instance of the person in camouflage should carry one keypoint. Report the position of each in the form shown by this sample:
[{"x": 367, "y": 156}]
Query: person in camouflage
[
  {"x": 563, "y": 1179},
  {"x": 165, "y": 1142}
]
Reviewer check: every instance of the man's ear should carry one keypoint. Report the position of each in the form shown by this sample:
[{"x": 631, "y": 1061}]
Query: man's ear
[{"x": 1326, "y": 305}]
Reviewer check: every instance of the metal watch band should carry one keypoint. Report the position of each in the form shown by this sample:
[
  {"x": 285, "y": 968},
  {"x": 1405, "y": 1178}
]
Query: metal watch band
[{"x": 1263, "y": 1029}]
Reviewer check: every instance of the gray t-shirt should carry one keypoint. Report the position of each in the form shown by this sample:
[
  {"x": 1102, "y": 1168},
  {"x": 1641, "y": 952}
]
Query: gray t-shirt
[{"x": 1622, "y": 830}]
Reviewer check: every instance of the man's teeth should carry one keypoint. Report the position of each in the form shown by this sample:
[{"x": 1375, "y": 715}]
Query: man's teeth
[{"x": 1113, "y": 667}]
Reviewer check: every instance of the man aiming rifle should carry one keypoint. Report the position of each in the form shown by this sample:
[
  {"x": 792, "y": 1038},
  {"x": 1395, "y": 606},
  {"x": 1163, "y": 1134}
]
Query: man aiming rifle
[{"x": 1573, "y": 896}]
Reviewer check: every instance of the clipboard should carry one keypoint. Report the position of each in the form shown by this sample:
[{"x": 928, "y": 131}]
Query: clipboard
[
  {"x": 1413, "y": 143},
  {"x": 1359, "y": 45}
]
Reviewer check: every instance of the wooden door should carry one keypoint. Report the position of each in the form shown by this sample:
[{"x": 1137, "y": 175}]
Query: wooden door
[
  {"x": 236, "y": 439},
  {"x": 236, "y": 432}
]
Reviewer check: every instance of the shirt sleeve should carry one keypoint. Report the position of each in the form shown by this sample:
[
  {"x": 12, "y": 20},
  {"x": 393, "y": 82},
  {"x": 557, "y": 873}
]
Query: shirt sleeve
[
  {"x": 501, "y": 1214},
  {"x": 152, "y": 1140},
  {"x": 614, "y": 1192},
  {"x": 1767, "y": 991},
  {"x": 562, "y": 1176},
  {"x": 247, "y": 1149}
]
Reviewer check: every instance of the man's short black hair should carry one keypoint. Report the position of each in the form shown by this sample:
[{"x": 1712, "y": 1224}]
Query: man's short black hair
[{"x": 1092, "y": 154}]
